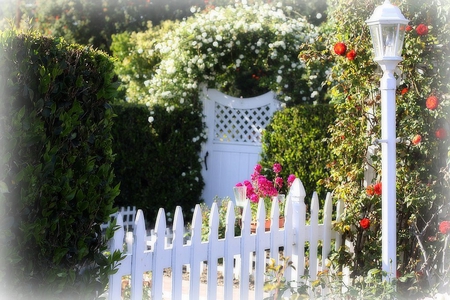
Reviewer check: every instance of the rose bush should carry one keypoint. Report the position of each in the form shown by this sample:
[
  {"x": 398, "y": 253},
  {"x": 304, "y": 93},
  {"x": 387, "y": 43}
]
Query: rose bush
[
  {"x": 266, "y": 187},
  {"x": 422, "y": 107}
]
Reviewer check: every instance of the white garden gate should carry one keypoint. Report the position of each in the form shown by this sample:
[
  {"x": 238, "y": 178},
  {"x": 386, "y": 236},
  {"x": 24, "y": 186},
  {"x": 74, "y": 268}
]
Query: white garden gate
[{"x": 234, "y": 127}]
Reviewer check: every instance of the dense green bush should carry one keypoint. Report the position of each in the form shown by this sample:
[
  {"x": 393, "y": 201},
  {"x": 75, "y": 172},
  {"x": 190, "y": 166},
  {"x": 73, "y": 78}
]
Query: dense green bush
[
  {"x": 297, "y": 139},
  {"x": 157, "y": 166},
  {"x": 56, "y": 168}
]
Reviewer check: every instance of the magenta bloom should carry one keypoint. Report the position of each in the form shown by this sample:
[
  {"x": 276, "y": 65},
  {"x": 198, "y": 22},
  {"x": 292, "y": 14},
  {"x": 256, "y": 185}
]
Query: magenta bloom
[
  {"x": 258, "y": 168},
  {"x": 278, "y": 182},
  {"x": 277, "y": 168},
  {"x": 291, "y": 179},
  {"x": 254, "y": 198}
]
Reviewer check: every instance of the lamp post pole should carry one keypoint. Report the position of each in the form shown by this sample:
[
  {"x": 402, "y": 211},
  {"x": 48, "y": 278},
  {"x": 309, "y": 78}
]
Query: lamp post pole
[
  {"x": 388, "y": 174},
  {"x": 387, "y": 28}
]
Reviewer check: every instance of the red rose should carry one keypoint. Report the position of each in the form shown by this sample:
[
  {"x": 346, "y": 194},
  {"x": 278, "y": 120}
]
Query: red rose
[
  {"x": 422, "y": 29},
  {"x": 416, "y": 139},
  {"x": 444, "y": 227},
  {"x": 351, "y": 55},
  {"x": 432, "y": 102},
  {"x": 377, "y": 189},
  {"x": 441, "y": 133},
  {"x": 365, "y": 223},
  {"x": 408, "y": 28},
  {"x": 404, "y": 91},
  {"x": 340, "y": 48}
]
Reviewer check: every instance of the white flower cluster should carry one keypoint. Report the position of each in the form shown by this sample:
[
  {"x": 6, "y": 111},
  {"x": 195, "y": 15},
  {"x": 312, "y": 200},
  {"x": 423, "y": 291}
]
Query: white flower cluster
[{"x": 212, "y": 46}]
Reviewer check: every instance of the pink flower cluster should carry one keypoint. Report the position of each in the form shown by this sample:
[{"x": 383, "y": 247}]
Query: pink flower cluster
[{"x": 260, "y": 186}]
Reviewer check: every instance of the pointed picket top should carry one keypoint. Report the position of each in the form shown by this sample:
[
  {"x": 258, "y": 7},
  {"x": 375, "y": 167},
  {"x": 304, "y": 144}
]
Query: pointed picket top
[
  {"x": 214, "y": 222},
  {"x": 297, "y": 191},
  {"x": 260, "y": 217},
  {"x": 196, "y": 227},
  {"x": 314, "y": 205},
  {"x": 116, "y": 243},
  {"x": 246, "y": 218},
  {"x": 327, "y": 219},
  {"x": 178, "y": 224},
  {"x": 339, "y": 211},
  {"x": 160, "y": 226},
  {"x": 139, "y": 231},
  {"x": 230, "y": 220}
]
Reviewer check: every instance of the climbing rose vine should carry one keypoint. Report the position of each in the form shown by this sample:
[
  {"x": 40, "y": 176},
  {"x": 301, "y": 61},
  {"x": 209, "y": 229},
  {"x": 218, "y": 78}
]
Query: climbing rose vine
[{"x": 422, "y": 116}]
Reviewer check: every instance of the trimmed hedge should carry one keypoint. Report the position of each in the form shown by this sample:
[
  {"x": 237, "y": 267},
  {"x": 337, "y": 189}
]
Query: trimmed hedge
[
  {"x": 157, "y": 164},
  {"x": 56, "y": 168},
  {"x": 297, "y": 139}
]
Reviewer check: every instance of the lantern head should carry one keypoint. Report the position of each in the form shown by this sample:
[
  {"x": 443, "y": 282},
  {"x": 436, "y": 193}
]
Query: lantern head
[{"x": 387, "y": 28}]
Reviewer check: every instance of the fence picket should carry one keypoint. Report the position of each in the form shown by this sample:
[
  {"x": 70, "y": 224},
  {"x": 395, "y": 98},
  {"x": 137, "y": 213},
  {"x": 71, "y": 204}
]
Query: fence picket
[
  {"x": 116, "y": 243},
  {"x": 213, "y": 251},
  {"x": 142, "y": 260},
  {"x": 262, "y": 243},
  {"x": 232, "y": 243},
  {"x": 159, "y": 261},
  {"x": 313, "y": 237},
  {"x": 247, "y": 244},
  {"x": 168, "y": 248},
  {"x": 197, "y": 255},
  {"x": 177, "y": 254},
  {"x": 327, "y": 219},
  {"x": 297, "y": 196}
]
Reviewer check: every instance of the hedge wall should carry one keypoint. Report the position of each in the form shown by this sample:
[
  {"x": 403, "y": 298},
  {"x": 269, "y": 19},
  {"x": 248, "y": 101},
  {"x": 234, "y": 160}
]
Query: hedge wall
[
  {"x": 56, "y": 168},
  {"x": 297, "y": 139},
  {"x": 157, "y": 163}
]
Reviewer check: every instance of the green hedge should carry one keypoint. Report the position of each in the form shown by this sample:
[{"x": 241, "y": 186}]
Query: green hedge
[
  {"x": 56, "y": 167},
  {"x": 157, "y": 164},
  {"x": 297, "y": 139}
]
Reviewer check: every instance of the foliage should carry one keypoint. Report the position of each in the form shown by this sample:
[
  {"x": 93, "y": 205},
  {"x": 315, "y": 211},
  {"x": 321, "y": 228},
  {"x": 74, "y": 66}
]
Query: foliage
[
  {"x": 56, "y": 167},
  {"x": 93, "y": 22},
  {"x": 422, "y": 154},
  {"x": 329, "y": 284},
  {"x": 153, "y": 169},
  {"x": 242, "y": 50},
  {"x": 297, "y": 138}
]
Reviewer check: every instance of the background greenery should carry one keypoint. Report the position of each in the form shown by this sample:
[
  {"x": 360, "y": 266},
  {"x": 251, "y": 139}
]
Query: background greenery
[
  {"x": 156, "y": 166},
  {"x": 56, "y": 167},
  {"x": 298, "y": 139}
]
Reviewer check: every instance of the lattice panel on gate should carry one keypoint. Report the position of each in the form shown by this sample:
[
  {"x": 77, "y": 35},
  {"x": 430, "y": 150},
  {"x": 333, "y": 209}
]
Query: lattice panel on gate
[{"x": 240, "y": 125}]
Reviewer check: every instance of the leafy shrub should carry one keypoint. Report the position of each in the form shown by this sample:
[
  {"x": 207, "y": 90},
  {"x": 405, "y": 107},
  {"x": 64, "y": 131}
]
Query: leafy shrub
[
  {"x": 297, "y": 139},
  {"x": 56, "y": 173},
  {"x": 157, "y": 166}
]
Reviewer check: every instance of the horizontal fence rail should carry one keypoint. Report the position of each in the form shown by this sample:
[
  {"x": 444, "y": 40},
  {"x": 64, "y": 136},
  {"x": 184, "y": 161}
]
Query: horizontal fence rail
[{"x": 241, "y": 256}]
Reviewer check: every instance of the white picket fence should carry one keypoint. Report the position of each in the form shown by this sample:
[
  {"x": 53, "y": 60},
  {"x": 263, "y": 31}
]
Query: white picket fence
[{"x": 154, "y": 254}]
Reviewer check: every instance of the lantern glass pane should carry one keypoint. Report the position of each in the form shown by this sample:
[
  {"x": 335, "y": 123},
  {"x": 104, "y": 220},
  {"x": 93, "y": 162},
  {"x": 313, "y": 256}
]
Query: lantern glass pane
[
  {"x": 375, "y": 33},
  {"x": 400, "y": 39},
  {"x": 389, "y": 39}
]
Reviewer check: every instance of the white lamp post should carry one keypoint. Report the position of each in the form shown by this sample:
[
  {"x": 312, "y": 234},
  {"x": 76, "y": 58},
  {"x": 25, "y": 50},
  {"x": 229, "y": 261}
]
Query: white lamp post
[{"x": 387, "y": 28}]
